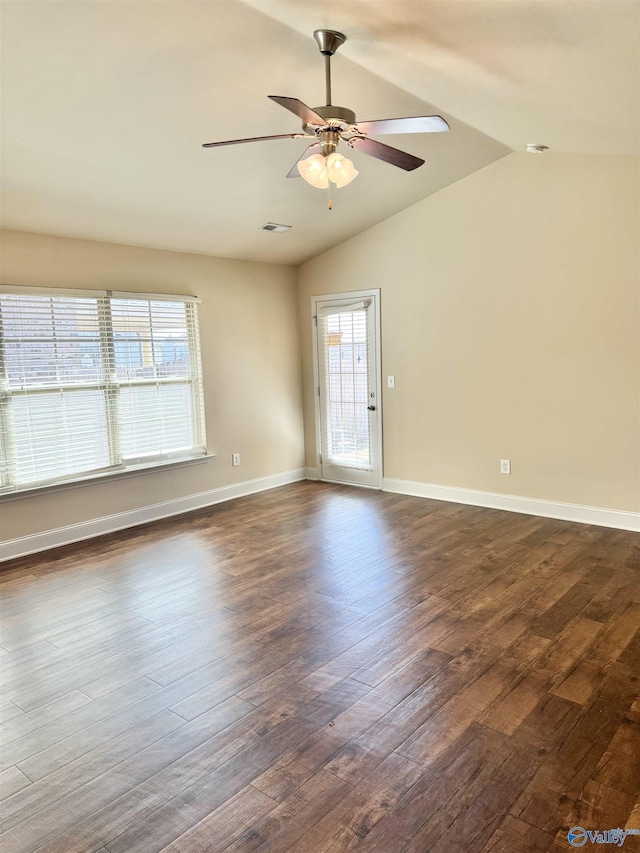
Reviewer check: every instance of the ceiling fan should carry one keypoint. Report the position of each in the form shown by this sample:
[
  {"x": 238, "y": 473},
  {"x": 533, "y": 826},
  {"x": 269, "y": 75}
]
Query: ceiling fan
[{"x": 320, "y": 164}]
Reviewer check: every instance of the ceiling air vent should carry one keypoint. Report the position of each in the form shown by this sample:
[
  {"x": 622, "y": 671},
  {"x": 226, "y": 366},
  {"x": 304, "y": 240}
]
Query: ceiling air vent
[{"x": 273, "y": 226}]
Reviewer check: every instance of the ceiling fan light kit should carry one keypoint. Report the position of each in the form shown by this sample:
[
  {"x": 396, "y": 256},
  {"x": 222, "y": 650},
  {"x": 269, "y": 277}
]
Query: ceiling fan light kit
[
  {"x": 314, "y": 170},
  {"x": 319, "y": 169},
  {"x": 341, "y": 170},
  {"x": 320, "y": 164}
]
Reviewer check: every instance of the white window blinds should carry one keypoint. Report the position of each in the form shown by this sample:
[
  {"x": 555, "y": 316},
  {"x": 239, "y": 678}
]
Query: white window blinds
[
  {"x": 344, "y": 357},
  {"x": 92, "y": 382}
]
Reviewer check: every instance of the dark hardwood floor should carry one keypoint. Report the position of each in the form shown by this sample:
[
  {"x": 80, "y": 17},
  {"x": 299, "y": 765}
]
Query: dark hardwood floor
[{"x": 319, "y": 669}]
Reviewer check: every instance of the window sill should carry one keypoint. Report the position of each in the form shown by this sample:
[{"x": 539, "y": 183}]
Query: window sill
[{"x": 131, "y": 471}]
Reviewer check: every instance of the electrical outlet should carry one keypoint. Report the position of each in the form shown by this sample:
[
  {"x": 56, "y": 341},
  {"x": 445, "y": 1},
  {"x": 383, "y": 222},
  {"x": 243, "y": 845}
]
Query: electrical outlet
[
  {"x": 235, "y": 459},
  {"x": 505, "y": 466},
  {"x": 391, "y": 381}
]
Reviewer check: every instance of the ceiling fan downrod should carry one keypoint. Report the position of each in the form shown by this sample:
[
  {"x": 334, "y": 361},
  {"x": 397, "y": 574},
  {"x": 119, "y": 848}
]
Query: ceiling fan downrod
[
  {"x": 327, "y": 79},
  {"x": 328, "y": 42}
]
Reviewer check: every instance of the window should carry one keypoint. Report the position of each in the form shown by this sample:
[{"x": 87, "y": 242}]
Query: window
[{"x": 93, "y": 382}]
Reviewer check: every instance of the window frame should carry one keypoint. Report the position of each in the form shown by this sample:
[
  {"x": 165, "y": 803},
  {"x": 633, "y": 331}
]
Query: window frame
[{"x": 111, "y": 386}]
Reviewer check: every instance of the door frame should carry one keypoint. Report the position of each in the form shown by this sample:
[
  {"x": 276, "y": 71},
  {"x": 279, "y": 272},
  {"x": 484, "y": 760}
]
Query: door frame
[{"x": 352, "y": 295}]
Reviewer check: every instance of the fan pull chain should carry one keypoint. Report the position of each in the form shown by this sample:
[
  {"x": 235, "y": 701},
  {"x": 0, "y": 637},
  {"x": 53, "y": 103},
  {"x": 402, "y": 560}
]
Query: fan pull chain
[{"x": 329, "y": 202}]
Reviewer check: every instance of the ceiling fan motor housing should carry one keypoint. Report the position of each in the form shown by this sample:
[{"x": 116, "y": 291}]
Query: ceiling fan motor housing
[{"x": 341, "y": 117}]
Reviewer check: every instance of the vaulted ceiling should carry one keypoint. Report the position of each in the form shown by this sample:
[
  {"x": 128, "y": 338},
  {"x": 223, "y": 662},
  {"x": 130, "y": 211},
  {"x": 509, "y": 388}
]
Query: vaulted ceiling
[{"x": 106, "y": 104}]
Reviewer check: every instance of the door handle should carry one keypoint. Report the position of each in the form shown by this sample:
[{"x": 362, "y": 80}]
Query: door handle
[{"x": 371, "y": 408}]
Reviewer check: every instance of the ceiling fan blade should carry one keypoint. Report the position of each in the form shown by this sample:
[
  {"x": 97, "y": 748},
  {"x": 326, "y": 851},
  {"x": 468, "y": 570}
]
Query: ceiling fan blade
[
  {"x": 252, "y": 139},
  {"x": 385, "y": 152},
  {"x": 308, "y": 152},
  {"x": 298, "y": 108},
  {"x": 419, "y": 124}
]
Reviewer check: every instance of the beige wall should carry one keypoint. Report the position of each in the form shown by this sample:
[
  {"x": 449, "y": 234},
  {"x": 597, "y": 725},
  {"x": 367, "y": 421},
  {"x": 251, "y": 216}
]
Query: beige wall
[
  {"x": 510, "y": 322},
  {"x": 251, "y": 362}
]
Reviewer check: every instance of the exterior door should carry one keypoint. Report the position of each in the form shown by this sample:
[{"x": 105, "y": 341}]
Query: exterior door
[{"x": 348, "y": 386}]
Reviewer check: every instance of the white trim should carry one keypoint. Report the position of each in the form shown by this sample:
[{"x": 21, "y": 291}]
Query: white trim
[
  {"x": 375, "y": 488},
  {"x": 311, "y": 474},
  {"x": 600, "y": 516},
  {"x": 56, "y": 537},
  {"x": 347, "y": 308},
  {"x": 36, "y": 290},
  {"x": 153, "y": 297},
  {"x": 105, "y": 476}
]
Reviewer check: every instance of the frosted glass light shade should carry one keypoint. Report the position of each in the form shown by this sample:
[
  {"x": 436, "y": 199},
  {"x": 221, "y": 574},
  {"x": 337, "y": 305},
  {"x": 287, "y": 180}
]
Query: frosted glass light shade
[
  {"x": 314, "y": 171},
  {"x": 318, "y": 170},
  {"x": 341, "y": 171}
]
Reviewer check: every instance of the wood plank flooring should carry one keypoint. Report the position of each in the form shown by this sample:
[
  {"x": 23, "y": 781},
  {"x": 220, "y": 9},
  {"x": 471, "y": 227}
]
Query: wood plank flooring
[{"x": 319, "y": 669}]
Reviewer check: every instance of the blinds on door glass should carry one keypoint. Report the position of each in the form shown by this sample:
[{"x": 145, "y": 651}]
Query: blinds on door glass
[
  {"x": 92, "y": 382},
  {"x": 344, "y": 348}
]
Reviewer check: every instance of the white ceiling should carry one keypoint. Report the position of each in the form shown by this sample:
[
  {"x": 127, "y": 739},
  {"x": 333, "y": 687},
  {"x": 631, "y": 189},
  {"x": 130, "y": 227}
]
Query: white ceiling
[{"x": 105, "y": 106}]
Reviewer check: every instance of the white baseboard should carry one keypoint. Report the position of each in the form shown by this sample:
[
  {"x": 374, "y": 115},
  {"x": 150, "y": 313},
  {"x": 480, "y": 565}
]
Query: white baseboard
[
  {"x": 56, "y": 537},
  {"x": 24, "y": 545},
  {"x": 529, "y": 506}
]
